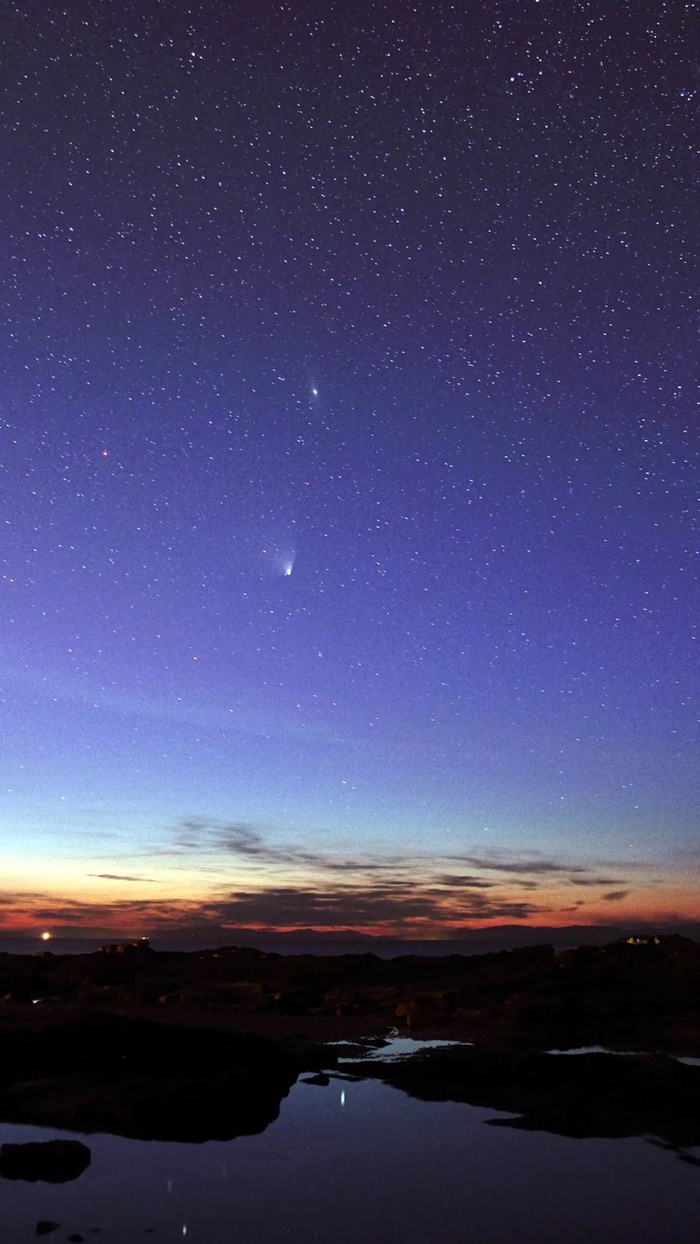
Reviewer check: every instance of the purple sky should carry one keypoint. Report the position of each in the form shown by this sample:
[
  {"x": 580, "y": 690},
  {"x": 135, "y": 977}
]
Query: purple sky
[{"x": 349, "y": 462}]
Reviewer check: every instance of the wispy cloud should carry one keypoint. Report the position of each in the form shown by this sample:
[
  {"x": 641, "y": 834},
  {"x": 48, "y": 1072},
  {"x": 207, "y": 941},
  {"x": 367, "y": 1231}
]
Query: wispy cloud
[
  {"x": 464, "y": 882},
  {"x": 519, "y": 865},
  {"x": 247, "y": 841},
  {"x": 212, "y": 716},
  {"x": 244, "y": 874},
  {"x": 594, "y": 881},
  {"x": 120, "y": 877}
]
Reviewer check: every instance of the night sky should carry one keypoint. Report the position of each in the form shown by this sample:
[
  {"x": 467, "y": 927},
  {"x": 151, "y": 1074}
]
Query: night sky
[{"x": 349, "y": 458}]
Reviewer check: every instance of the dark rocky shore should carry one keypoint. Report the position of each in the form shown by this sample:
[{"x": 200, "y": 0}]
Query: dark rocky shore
[
  {"x": 593, "y": 1094},
  {"x": 97, "y": 1072},
  {"x": 197, "y": 1046},
  {"x": 637, "y": 990}
]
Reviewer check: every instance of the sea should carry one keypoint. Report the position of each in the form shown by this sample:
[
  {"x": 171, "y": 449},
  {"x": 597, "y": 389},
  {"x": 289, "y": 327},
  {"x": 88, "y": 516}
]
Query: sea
[
  {"x": 381, "y": 947},
  {"x": 298, "y": 944}
]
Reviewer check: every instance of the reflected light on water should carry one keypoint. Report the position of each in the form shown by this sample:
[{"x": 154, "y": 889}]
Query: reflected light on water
[{"x": 405, "y": 1169}]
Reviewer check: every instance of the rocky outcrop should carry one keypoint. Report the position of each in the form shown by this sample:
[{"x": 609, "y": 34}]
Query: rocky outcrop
[
  {"x": 187, "y": 1078},
  {"x": 642, "y": 991},
  {"x": 104, "y": 1073},
  {"x": 51, "y": 1161},
  {"x": 577, "y": 1095}
]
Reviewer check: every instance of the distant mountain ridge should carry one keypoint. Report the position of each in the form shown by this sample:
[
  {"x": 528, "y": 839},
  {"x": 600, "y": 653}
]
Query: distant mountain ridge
[{"x": 467, "y": 941}]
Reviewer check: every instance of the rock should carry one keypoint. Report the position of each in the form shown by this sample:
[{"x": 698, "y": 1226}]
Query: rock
[
  {"x": 45, "y": 1226},
  {"x": 321, "y": 1079},
  {"x": 141, "y": 1079},
  {"x": 642, "y": 991},
  {"x": 577, "y": 1095},
  {"x": 53, "y": 1161},
  {"x": 76, "y": 1239}
]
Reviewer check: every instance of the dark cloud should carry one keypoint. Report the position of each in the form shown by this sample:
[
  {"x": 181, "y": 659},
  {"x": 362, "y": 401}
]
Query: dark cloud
[
  {"x": 464, "y": 881},
  {"x": 534, "y": 866},
  {"x": 393, "y": 906},
  {"x": 28, "y": 896},
  {"x": 272, "y": 884},
  {"x": 120, "y": 877},
  {"x": 53, "y": 910},
  {"x": 592, "y": 881}
]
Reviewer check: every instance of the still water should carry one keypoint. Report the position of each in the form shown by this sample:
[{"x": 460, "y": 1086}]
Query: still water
[{"x": 358, "y": 1162}]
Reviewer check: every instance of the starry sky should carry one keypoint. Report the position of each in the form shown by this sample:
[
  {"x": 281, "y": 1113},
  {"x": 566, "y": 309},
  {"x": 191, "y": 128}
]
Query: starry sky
[{"x": 349, "y": 452}]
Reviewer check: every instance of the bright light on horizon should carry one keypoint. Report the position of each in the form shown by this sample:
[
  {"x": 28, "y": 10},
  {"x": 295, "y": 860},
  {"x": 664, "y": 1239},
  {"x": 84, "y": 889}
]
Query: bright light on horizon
[{"x": 46, "y": 937}]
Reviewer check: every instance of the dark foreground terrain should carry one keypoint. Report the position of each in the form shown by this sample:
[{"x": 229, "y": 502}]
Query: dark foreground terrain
[{"x": 206, "y": 1045}]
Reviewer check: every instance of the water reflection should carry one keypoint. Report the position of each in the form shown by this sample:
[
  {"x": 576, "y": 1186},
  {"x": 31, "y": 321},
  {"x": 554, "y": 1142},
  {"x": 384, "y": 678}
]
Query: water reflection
[
  {"x": 359, "y": 1162},
  {"x": 592, "y": 1094},
  {"x": 48, "y": 1161}
]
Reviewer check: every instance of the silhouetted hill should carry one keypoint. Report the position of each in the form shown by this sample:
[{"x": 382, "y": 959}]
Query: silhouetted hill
[{"x": 466, "y": 941}]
